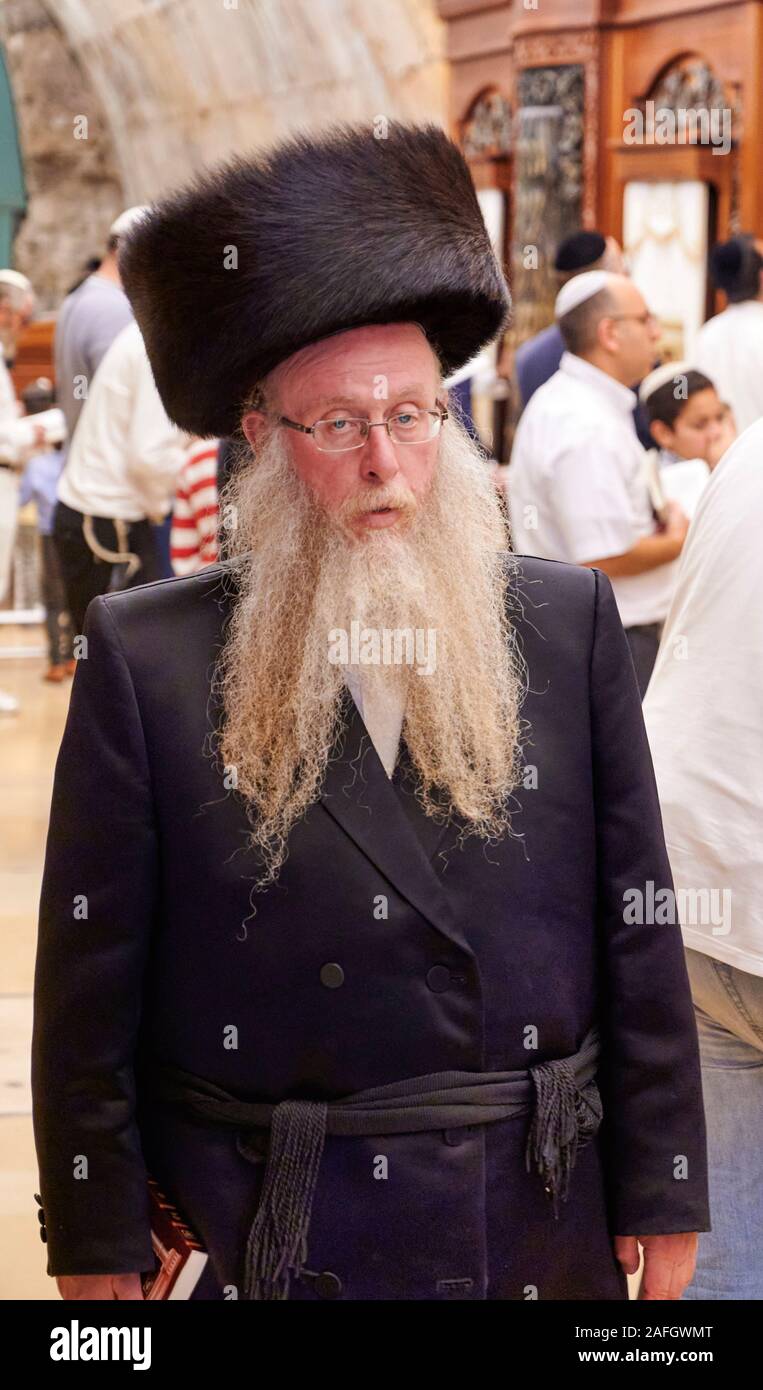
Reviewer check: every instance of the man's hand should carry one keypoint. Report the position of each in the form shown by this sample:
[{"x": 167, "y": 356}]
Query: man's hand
[
  {"x": 100, "y": 1286},
  {"x": 668, "y": 1262},
  {"x": 676, "y": 521}
]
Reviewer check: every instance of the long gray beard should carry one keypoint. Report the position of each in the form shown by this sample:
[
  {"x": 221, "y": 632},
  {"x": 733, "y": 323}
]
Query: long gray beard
[{"x": 301, "y": 579}]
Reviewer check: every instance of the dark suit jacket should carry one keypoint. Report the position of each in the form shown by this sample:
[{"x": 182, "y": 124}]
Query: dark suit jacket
[
  {"x": 478, "y": 945},
  {"x": 536, "y": 361}
]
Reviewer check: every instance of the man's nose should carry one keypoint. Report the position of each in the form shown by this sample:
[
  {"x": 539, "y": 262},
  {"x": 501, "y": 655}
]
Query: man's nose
[{"x": 379, "y": 459}]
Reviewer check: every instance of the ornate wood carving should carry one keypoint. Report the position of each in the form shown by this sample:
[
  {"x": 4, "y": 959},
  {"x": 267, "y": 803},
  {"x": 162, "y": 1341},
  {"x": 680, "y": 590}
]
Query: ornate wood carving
[
  {"x": 549, "y": 185},
  {"x": 487, "y": 131},
  {"x": 689, "y": 83},
  {"x": 583, "y": 47}
]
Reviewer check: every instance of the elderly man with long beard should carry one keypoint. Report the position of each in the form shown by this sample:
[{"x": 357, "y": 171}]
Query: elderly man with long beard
[{"x": 340, "y": 948}]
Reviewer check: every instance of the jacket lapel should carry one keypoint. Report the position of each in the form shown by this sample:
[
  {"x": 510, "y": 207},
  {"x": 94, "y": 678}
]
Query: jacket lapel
[
  {"x": 360, "y": 797},
  {"x": 434, "y": 835}
]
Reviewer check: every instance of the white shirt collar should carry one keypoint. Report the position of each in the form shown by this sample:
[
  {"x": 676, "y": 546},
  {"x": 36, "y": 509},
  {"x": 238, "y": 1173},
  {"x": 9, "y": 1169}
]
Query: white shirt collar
[
  {"x": 383, "y": 713},
  {"x": 620, "y": 396}
]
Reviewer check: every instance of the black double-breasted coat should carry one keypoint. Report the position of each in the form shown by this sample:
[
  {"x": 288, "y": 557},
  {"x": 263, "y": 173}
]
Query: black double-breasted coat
[{"x": 441, "y": 955}]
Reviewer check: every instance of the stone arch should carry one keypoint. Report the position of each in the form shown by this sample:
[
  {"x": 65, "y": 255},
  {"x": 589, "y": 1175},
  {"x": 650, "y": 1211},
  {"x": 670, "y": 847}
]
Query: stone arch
[
  {"x": 171, "y": 85},
  {"x": 187, "y": 82},
  {"x": 74, "y": 189}
]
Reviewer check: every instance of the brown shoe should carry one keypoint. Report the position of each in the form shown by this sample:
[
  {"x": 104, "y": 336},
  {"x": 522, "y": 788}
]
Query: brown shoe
[
  {"x": 55, "y": 673},
  {"x": 71, "y": 666}
]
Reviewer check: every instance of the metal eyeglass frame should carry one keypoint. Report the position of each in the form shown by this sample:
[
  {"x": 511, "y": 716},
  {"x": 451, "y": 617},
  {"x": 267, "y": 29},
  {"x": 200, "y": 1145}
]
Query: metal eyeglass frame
[{"x": 441, "y": 413}]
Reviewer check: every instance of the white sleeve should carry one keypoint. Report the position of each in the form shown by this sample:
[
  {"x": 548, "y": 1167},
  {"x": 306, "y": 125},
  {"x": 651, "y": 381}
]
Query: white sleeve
[
  {"x": 591, "y": 503},
  {"x": 155, "y": 447},
  {"x": 16, "y": 437}
]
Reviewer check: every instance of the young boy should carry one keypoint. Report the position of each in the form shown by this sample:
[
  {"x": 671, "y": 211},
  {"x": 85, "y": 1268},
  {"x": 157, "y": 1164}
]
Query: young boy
[{"x": 691, "y": 427}]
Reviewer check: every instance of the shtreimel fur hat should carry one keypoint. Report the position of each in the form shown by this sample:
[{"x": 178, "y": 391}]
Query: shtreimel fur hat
[{"x": 262, "y": 256}]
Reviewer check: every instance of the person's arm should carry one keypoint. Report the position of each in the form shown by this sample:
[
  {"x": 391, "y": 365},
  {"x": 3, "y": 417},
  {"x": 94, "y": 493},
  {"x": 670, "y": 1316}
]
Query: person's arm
[
  {"x": 592, "y": 506},
  {"x": 184, "y": 537},
  {"x": 193, "y": 539},
  {"x": 99, "y": 896},
  {"x": 654, "y": 1129},
  {"x": 648, "y": 553},
  {"x": 155, "y": 447}
]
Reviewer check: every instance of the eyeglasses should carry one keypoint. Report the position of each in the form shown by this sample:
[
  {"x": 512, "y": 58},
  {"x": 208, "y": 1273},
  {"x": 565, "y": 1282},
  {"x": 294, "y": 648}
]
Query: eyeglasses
[{"x": 345, "y": 432}]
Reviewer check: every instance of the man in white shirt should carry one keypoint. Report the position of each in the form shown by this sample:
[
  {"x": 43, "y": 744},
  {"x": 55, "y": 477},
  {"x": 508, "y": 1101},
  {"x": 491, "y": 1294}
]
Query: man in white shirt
[
  {"x": 119, "y": 477},
  {"x": 704, "y": 717},
  {"x": 88, "y": 322},
  {"x": 576, "y": 483},
  {"x": 730, "y": 346}
]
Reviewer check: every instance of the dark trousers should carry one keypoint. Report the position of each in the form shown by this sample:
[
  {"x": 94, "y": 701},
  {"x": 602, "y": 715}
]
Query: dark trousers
[
  {"x": 86, "y": 575},
  {"x": 57, "y": 621},
  {"x": 644, "y": 642}
]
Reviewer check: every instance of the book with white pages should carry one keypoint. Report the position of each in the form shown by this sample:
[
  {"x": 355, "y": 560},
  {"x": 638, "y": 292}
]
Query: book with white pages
[{"x": 683, "y": 482}]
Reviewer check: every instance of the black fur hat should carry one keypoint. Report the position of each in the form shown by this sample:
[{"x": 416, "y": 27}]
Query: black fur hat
[{"x": 262, "y": 256}]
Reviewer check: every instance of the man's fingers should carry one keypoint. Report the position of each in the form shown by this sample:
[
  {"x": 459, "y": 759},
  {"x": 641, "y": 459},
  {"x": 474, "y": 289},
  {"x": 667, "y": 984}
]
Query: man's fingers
[
  {"x": 665, "y": 1276},
  {"x": 626, "y": 1250}
]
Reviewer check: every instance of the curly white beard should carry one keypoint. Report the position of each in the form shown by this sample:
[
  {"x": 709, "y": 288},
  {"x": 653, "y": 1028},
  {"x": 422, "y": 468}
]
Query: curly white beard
[{"x": 302, "y": 574}]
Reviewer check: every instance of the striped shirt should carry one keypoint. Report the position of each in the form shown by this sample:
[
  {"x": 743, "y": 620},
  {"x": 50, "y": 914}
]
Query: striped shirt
[{"x": 193, "y": 539}]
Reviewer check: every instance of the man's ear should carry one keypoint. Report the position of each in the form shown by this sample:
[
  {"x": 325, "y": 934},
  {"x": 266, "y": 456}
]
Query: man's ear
[
  {"x": 606, "y": 334},
  {"x": 253, "y": 423}
]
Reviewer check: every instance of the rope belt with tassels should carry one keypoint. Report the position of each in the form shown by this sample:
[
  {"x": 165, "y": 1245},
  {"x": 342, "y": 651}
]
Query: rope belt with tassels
[{"x": 562, "y": 1094}]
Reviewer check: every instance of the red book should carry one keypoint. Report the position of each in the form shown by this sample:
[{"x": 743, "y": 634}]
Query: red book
[{"x": 180, "y": 1257}]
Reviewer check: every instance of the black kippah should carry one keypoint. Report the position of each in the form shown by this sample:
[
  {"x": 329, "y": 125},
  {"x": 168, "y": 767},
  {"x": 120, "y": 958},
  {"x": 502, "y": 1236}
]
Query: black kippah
[
  {"x": 735, "y": 266},
  {"x": 580, "y": 250},
  {"x": 726, "y": 260}
]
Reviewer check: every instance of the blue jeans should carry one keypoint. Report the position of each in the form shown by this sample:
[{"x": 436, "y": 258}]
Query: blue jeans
[{"x": 729, "y": 1008}]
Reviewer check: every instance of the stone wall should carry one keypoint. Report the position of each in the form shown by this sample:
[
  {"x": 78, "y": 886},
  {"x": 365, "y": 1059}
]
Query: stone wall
[
  {"x": 169, "y": 85},
  {"x": 74, "y": 189}
]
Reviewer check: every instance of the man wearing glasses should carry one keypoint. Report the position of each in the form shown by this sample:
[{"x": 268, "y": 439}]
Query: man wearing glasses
[
  {"x": 354, "y": 982},
  {"x": 577, "y": 480}
]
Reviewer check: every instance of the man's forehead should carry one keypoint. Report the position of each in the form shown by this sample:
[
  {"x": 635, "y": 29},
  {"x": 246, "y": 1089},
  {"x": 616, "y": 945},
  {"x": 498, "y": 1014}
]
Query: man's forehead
[
  {"x": 356, "y": 366},
  {"x": 353, "y": 393},
  {"x": 629, "y": 295}
]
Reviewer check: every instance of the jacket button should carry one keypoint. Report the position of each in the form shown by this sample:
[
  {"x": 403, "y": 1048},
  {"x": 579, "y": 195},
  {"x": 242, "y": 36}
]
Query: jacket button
[
  {"x": 438, "y": 979},
  {"x": 332, "y": 976},
  {"x": 454, "y": 1137},
  {"x": 41, "y": 1218},
  {"x": 328, "y": 1285}
]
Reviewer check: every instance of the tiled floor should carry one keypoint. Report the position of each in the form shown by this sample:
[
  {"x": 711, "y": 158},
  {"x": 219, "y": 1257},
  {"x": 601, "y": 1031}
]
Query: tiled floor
[{"x": 28, "y": 745}]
